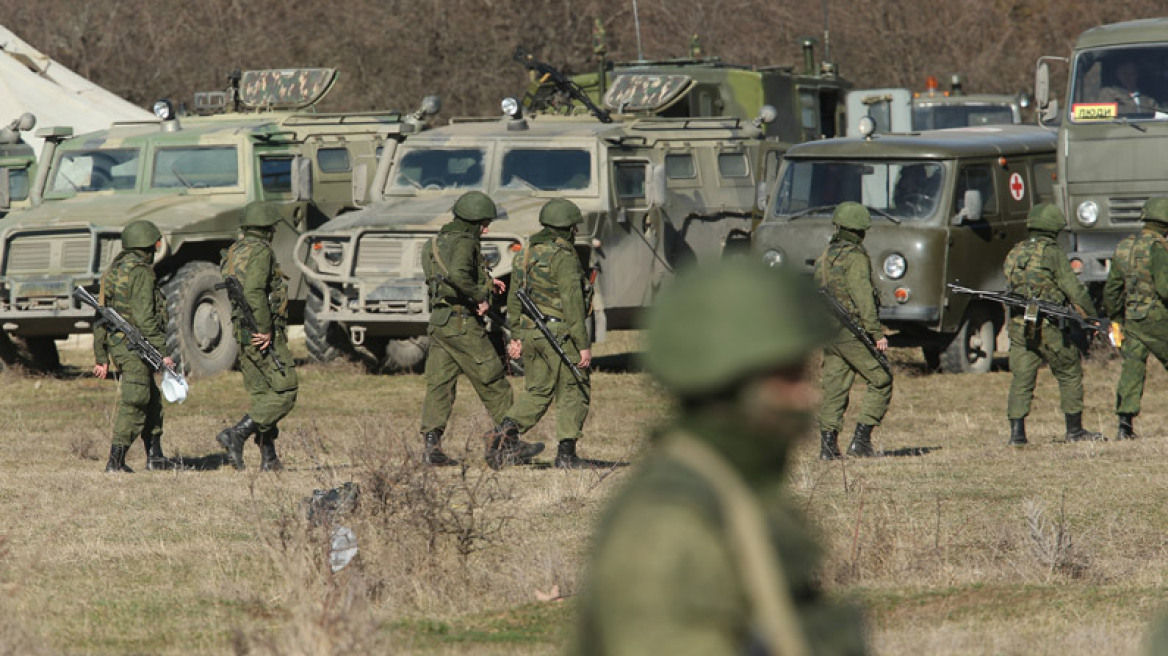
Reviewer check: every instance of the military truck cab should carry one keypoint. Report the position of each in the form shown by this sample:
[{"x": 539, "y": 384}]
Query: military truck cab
[
  {"x": 946, "y": 205},
  {"x": 900, "y": 110},
  {"x": 17, "y": 165},
  {"x": 192, "y": 176}
]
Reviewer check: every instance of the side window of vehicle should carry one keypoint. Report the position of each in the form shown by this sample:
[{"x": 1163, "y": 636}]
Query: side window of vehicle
[
  {"x": 333, "y": 160},
  {"x": 629, "y": 182},
  {"x": 18, "y": 184},
  {"x": 680, "y": 167},
  {"x": 733, "y": 165},
  {"x": 276, "y": 175},
  {"x": 1045, "y": 175},
  {"x": 981, "y": 178}
]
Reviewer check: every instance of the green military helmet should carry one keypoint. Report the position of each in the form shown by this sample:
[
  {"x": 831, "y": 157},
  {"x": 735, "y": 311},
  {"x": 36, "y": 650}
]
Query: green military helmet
[
  {"x": 560, "y": 213},
  {"x": 1046, "y": 217},
  {"x": 1156, "y": 210},
  {"x": 258, "y": 214},
  {"x": 852, "y": 216},
  {"x": 475, "y": 207},
  {"x": 717, "y": 325},
  {"x": 140, "y": 234}
]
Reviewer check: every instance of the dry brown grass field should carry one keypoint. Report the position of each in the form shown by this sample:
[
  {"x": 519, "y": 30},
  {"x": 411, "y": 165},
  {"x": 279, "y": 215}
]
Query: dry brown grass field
[{"x": 954, "y": 543}]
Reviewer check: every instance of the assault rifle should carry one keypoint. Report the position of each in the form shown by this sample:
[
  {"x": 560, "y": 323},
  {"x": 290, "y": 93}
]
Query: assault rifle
[
  {"x": 854, "y": 328},
  {"x": 134, "y": 339},
  {"x": 239, "y": 302},
  {"x": 549, "y": 73},
  {"x": 1033, "y": 308},
  {"x": 496, "y": 318},
  {"x": 540, "y": 319}
]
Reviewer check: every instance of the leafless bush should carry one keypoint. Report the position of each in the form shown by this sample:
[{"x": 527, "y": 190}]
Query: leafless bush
[
  {"x": 85, "y": 447},
  {"x": 1051, "y": 542}
]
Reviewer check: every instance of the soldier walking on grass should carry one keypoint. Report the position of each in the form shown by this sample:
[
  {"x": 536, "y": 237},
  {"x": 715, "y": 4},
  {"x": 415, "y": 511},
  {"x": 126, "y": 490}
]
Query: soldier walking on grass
[
  {"x": 460, "y": 292},
  {"x": 549, "y": 271},
  {"x": 845, "y": 272},
  {"x": 701, "y": 553},
  {"x": 1134, "y": 295},
  {"x": 1038, "y": 268},
  {"x": 129, "y": 287},
  {"x": 272, "y": 390}
]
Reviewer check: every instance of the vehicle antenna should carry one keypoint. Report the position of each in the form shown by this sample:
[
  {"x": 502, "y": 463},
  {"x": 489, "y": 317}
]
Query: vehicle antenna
[
  {"x": 637, "y": 23},
  {"x": 826, "y": 35}
]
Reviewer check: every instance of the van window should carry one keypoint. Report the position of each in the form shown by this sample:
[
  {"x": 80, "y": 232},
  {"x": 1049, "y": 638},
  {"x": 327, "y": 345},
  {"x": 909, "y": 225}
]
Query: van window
[
  {"x": 981, "y": 178},
  {"x": 1045, "y": 175}
]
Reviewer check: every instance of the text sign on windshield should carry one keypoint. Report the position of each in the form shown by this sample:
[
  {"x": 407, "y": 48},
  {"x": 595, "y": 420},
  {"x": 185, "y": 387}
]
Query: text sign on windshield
[{"x": 1094, "y": 111}]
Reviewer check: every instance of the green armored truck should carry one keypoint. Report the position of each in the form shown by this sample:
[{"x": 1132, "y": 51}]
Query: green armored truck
[
  {"x": 1113, "y": 131},
  {"x": 191, "y": 176},
  {"x": 899, "y": 110},
  {"x": 17, "y": 165},
  {"x": 946, "y": 205}
]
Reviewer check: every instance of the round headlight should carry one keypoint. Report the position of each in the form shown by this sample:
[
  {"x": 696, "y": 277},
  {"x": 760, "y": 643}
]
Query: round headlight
[
  {"x": 164, "y": 110},
  {"x": 895, "y": 266},
  {"x": 510, "y": 106},
  {"x": 866, "y": 126},
  {"x": 1088, "y": 213},
  {"x": 772, "y": 258}
]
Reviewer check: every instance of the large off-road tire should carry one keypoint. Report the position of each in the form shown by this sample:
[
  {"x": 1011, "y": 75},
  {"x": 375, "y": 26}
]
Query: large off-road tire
[
  {"x": 972, "y": 348},
  {"x": 38, "y": 353},
  {"x": 326, "y": 340},
  {"x": 405, "y": 355},
  {"x": 199, "y": 334}
]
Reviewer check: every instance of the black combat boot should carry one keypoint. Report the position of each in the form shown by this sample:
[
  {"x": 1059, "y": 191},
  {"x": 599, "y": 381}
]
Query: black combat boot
[
  {"x": 505, "y": 448},
  {"x": 861, "y": 445},
  {"x": 566, "y": 457},
  {"x": 1017, "y": 432},
  {"x": 1127, "y": 429},
  {"x": 117, "y": 460},
  {"x": 828, "y": 445},
  {"x": 434, "y": 455},
  {"x": 267, "y": 443},
  {"x": 233, "y": 437},
  {"x": 155, "y": 461},
  {"x": 1076, "y": 432}
]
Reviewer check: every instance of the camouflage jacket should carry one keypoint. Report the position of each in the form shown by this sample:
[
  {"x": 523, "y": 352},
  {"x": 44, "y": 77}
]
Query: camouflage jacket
[
  {"x": 251, "y": 260},
  {"x": 456, "y": 273},
  {"x": 1036, "y": 267},
  {"x": 845, "y": 271},
  {"x": 129, "y": 287},
  {"x": 549, "y": 270},
  {"x": 1138, "y": 279}
]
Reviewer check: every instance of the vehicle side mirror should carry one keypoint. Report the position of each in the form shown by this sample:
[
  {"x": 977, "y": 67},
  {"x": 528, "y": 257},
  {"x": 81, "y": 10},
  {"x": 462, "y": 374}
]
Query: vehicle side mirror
[
  {"x": 971, "y": 213},
  {"x": 655, "y": 186},
  {"x": 302, "y": 179},
  {"x": 760, "y": 195},
  {"x": 360, "y": 184},
  {"x": 5, "y": 192},
  {"x": 1042, "y": 85}
]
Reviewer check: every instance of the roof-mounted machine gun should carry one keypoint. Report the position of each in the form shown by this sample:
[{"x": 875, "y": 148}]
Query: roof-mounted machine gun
[{"x": 546, "y": 73}]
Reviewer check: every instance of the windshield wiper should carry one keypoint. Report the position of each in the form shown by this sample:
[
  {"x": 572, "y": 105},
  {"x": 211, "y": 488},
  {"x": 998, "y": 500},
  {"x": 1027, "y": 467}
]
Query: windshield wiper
[
  {"x": 525, "y": 183},
  {"x": 1124, "y": 120},
  {"x": 415, "y": 183},
  {"x": 181, "y": 179},
  {"x": 881, "y": 213},
  {"x": 802, "y": 213}
]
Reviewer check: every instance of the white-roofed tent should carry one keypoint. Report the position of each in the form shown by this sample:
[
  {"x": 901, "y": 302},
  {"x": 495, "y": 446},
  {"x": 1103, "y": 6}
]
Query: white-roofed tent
[{"x": 30, "y": 81}]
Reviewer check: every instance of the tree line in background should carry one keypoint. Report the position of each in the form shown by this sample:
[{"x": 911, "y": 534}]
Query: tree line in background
[{"x": 391, "y": 53}]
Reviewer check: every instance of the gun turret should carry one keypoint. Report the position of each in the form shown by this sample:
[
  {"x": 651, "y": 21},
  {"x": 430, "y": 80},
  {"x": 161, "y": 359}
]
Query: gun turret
[{"x": 546, "y": 73}]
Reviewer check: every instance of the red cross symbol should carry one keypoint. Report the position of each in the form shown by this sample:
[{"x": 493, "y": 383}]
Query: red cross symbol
[{"x": 1017, "y": 188}]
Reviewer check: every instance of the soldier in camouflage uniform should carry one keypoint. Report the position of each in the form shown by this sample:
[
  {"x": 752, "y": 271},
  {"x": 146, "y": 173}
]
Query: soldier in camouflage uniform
[
  {"x": 1134, "y": 295},
  {"x": 550, "y": 272},
  {"x": 460, "y": 292},
  {"x": 845, "y": 272},
  {"x": 701, "y": 553},
  {"x": 129, "y": 287},
  {"x": 1038, "y": 268},
  {"x": 273, "y": 394}
]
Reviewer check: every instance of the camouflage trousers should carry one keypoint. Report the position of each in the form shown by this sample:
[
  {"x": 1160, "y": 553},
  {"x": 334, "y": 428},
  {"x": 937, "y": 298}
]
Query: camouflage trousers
[
  {"x": 842, "y": 360},
  {"x": 1053, "y": 347},
  {"x": 140, "y": 402},
  {"x": 273, "y": 395},
  {"x": 547, "y": 379},
  {"x": 1141, "y": 339},
  {"x": 461, "y": 347}
]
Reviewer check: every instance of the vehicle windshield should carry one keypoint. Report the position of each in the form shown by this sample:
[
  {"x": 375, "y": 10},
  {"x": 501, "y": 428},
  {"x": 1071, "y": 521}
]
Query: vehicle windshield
[
  {"x": 546, "y": 169},
  {"x": 904, "y": 190},
  {"x": 195, "y": 168},
  {"x": 433, "y": 168},
  {"x": 84, "y": 171},
  {"x": 939, "y": 117},
  {"x": 1125, "y": 83}
]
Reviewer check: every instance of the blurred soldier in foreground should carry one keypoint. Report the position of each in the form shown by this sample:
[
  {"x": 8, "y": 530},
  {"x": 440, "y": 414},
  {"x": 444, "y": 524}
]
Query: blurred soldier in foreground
[
  {"x": 272, "y": 387},
  {"x": 1134, "y": 295},
  {"x": 845, "y": 272},
  {"x": 549, "y": 272},
  {"x": 1038, "y": 268},
  {"x": 460, "y": 293},
  {"x": 129, "y": 287},
  {"x": 700, "y": 554}
]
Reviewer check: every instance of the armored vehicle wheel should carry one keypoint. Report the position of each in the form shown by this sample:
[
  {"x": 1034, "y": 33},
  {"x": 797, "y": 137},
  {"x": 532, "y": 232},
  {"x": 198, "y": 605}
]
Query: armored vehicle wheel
[
  {"x": 37, "y": 353},
  {"x": 199, "y": 335},
  {"x": 326, "y": 340},
  {"x": 405, "y": 355},
  {"x": 972, "y": 348}
]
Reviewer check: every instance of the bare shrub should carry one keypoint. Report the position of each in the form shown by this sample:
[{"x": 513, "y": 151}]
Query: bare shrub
[
  {"x": 84, "y": 447},
  {"x": 1051, "y": 543}
]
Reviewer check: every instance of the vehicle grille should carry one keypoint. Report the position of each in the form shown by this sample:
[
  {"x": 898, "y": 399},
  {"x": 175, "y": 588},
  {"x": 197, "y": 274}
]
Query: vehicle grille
[
  {"x": 1125, "y": 210},
  {"x": 49, "y": 254},
  {"x": 383, "y": 254}
]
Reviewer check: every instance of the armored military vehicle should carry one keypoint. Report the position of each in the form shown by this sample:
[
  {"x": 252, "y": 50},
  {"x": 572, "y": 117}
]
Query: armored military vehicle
[
  {"x": 191, "y": 176},
  {"x": 899, "y": 110},
  {"x": 947, "y": 205},
  {"x": 17, "y": 165},
  {"x": 1113, "y": 130}
]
